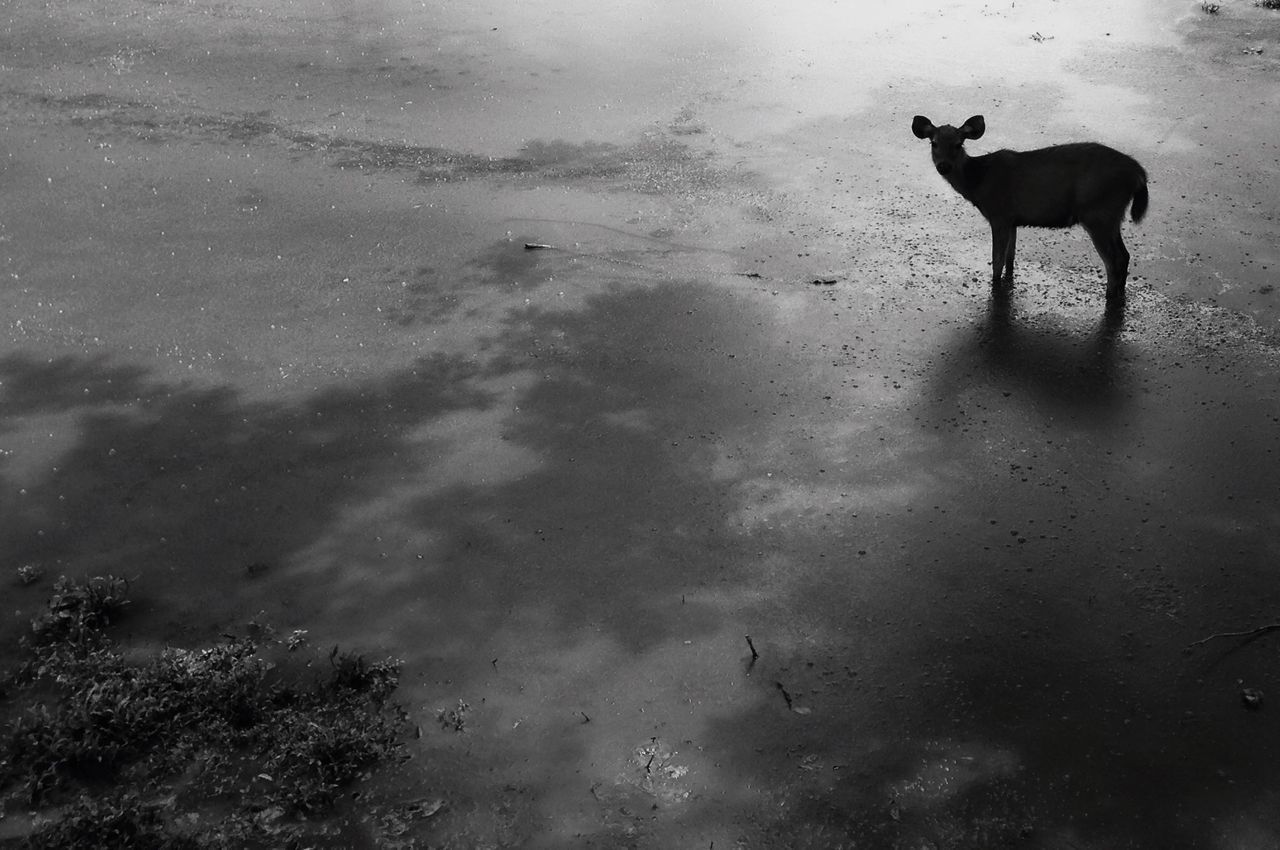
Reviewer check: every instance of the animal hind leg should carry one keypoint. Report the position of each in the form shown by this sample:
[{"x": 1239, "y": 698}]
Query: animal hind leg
[
  {"x": 1115, "y": 258},
  {"x": 1121, "y": 263}
]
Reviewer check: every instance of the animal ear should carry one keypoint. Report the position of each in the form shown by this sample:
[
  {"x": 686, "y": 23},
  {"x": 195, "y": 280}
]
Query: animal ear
[
  {"x": 923, "y": 127},
  {"x": 973, "y": 128}
]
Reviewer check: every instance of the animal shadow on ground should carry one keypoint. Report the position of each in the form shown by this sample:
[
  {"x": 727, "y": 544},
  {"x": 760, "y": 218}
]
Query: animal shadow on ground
[{"x": 1074, "y": 371}]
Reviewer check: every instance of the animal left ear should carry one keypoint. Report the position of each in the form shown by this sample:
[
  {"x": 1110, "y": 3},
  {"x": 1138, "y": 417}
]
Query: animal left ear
[
  {"x": 923, "y": 127},
  {"x": 974, "y": 127}
]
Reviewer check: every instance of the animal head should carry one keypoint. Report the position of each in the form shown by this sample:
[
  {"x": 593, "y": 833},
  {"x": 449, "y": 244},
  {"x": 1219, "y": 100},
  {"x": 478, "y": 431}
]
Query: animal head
[{"x": 947, "y": 142}]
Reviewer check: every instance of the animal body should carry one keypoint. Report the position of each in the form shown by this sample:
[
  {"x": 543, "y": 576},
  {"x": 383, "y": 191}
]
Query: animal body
[{"x": 1083, "y": 183}]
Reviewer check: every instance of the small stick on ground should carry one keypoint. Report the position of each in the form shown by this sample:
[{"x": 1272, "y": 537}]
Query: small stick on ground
[
  {"x": 1260, "y": 630},
  {"x": 786, "y": 696},
  {"x": 752, "y": 646}
]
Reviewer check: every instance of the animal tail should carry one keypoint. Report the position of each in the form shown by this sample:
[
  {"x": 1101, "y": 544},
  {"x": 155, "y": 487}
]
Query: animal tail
[{"x": 1139, "y": 208}]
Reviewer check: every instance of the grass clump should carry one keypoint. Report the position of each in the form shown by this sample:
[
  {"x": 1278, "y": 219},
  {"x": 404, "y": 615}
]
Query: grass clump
[
  {"x": 117, "y": 751},
  {"x": 78, "y": 613}
]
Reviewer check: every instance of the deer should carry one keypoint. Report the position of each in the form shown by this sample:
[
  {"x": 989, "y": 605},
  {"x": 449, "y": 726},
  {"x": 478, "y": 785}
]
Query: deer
[{"x": 1083, "y": 183}]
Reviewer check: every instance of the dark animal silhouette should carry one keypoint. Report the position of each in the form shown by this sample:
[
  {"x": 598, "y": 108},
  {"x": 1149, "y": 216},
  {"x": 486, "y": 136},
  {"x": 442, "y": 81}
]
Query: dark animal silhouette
[{"x": 1084, "y": 183}]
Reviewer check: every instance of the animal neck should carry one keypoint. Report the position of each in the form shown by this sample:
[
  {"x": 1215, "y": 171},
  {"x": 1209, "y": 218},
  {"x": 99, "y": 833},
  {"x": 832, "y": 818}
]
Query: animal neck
[{"x": 965, "y": 175}]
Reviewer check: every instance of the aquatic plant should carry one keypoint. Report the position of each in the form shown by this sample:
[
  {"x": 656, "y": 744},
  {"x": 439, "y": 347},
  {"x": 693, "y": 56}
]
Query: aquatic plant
[{"x": 117, "y": 751}]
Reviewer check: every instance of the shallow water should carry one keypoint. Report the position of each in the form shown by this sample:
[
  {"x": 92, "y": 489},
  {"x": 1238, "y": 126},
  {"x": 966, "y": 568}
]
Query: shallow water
[{"x": 274, "y": 345}]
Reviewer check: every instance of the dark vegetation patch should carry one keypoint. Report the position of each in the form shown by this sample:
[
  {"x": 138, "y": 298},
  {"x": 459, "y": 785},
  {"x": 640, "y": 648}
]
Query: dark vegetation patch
[{"x": 186, "y": 748}]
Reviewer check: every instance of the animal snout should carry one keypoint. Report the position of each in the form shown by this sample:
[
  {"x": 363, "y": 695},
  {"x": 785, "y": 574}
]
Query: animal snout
[{"x": 944, "y": 168}]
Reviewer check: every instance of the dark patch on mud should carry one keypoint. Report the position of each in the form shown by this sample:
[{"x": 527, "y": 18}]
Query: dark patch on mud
[
  {"x": 148, "y": 122},
  {"x": 507, "y": 262},
  {"x": 428, "y": 295},
  {"x": 656, "y": 164}
]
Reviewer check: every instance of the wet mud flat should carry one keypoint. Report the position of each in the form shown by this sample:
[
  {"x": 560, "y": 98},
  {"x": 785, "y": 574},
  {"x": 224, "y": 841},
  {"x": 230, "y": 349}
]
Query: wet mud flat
[{"x": 559, "y": 419}]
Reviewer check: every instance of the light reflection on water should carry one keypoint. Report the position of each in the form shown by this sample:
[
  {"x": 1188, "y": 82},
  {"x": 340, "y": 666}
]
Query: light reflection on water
[
  {"x": 507, "y": 72},
  {"x": 579, "y": 70}
]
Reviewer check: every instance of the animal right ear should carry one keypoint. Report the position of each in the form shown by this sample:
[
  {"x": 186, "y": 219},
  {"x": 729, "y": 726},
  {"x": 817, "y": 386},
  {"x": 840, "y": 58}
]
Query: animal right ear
[
  {"x": 973, "y": 128},
  {"x": 923, "y": 127}
]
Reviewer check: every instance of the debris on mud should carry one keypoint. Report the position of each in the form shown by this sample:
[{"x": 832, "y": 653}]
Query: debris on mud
[
  {"x": 256, "y": 568},
  {"x": 30, "y": 573},
  {"x": 791, "y": 706},
  {"x": 1248, "y": 633},
  {"x": 653, "y": 769},
  {"x": 400, "y": 820},
  {"x": 453, "y": 719}
]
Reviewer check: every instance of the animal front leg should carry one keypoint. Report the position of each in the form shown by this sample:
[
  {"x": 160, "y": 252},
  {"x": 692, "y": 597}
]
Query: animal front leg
[{"x": 1002, "y": 245}]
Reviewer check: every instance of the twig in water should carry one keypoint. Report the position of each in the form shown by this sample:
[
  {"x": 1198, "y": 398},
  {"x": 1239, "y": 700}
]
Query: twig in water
[{"x": 1260, "y": 630}]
